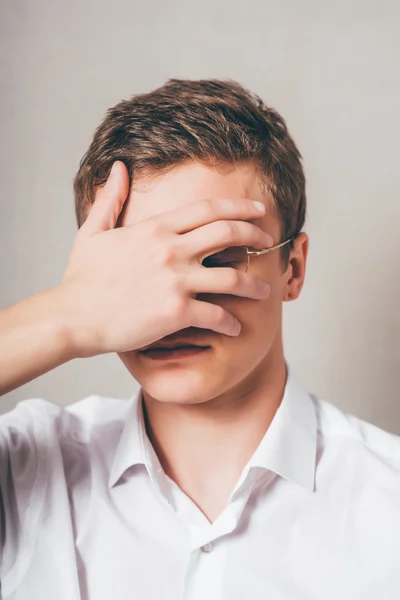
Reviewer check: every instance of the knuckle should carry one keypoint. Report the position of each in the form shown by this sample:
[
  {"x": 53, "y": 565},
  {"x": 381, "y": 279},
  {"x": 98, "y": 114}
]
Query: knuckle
[
  {"x": 167, "y": 254},
  {"x": 153, "y": 228},
  {"x": 210, "y": 208},
  {"x": 178, "y": 284},
  {"x": 227, "y": 231}
]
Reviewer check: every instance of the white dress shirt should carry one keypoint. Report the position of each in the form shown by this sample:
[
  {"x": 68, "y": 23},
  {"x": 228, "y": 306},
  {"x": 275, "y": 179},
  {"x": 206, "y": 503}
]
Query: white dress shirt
[{"x": 87, "y": 512}]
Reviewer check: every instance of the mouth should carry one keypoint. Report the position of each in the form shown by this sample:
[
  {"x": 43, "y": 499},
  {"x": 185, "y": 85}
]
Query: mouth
[{"x": 173, "y": 352}]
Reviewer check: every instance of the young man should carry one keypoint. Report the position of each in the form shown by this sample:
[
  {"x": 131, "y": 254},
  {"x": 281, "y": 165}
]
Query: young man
[{"x": 221, "y": 479}]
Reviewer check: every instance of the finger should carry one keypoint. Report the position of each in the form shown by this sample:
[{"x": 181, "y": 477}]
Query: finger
[
  {"x": 225, "y": 280},
  {"x": 219, "y": 235},
  {"x": 195, "y": 214},
  {"x": 109, "y": 200},
  {"x": 214, "y": 317}
]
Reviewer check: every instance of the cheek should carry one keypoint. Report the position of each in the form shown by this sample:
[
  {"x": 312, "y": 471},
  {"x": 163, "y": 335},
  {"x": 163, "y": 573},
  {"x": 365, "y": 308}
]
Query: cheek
[{"x": 259, "y": 318}]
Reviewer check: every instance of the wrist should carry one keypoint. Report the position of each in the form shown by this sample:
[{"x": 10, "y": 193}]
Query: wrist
[
  {"x": 62, "y": 325},
  {"x": 70, "y": 327}
]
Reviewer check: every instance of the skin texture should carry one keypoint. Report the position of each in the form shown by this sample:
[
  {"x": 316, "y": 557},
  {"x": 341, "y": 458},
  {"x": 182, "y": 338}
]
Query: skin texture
[
  {"x": 98, "y": 307},
  {"x": 206, "y": 414}
]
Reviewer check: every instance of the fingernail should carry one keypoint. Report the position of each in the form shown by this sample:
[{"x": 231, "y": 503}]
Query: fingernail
[
  {"x": 259, "y": 206},
  {"x": 270, "y": 241}
]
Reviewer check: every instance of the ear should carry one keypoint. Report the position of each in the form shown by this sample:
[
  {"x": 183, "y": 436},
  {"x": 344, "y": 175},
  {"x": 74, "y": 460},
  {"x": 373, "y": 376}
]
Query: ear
[{"x": 295, "y": 273}]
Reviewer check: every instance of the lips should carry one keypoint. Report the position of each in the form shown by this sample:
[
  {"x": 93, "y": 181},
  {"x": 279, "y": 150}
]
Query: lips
[{"x": 172, "y": 346}]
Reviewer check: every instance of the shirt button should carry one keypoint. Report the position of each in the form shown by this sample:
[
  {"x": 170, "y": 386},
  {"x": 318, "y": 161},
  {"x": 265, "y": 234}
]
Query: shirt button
[{"x": 207, "y": 547}]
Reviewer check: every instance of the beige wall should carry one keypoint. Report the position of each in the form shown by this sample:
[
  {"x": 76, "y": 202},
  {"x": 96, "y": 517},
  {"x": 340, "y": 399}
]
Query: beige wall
[{"x": 332, "y": 69}]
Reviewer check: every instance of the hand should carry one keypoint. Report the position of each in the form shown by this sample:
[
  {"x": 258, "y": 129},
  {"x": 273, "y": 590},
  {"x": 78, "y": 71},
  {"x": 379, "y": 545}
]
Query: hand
[{"x": 126, "y": 287}]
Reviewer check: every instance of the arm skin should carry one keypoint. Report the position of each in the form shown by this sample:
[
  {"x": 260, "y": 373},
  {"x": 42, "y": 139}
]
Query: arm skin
[{"x": 34, "y": 339}]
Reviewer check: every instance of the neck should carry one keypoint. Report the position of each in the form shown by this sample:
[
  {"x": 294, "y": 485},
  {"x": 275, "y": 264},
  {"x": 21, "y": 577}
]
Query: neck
[{"x": 204, "y": 447}]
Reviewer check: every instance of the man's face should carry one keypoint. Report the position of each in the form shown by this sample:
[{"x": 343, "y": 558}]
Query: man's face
[{"x": 233, "y": 365}]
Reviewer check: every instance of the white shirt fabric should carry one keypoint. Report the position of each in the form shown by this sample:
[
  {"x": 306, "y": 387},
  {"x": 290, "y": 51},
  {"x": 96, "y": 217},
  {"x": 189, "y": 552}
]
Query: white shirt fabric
[{"x": 87, "y": 512}]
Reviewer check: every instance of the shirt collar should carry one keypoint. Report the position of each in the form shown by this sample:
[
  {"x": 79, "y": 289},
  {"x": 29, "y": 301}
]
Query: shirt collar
[
  {"x": 288, "y": 447},
  {"x": 134, "y": 446}
]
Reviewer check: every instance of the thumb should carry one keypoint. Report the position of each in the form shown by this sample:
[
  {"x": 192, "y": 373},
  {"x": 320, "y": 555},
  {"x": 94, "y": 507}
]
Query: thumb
[{"x": 109, "y": 200}]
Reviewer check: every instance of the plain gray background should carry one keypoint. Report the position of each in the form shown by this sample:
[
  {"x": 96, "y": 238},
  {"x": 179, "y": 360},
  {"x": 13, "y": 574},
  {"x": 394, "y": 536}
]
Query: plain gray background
[{"x": 331, "y": 69}]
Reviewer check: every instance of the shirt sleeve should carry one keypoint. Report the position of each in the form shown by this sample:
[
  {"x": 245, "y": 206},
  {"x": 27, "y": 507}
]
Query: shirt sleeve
[{"x": 28, "y": 450}]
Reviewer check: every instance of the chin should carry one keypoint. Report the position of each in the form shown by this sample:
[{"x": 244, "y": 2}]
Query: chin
[
  {"x": 180, "y": 386},
  {"x": 178, "y": 383}
]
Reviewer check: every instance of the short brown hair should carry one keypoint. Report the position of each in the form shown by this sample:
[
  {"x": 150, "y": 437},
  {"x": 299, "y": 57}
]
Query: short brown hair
[{"x": 207, "y": 120}]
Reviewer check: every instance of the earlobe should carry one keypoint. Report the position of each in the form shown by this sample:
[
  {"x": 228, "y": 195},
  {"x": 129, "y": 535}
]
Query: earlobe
[
  {"x": 296, "y": 268},
  {"x": 287, "y": 294}
]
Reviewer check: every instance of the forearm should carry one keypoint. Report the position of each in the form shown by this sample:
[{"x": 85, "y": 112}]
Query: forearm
[{"x": 34, "y": 339}]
